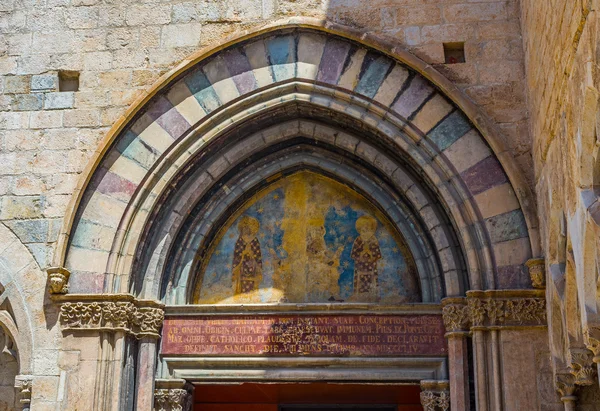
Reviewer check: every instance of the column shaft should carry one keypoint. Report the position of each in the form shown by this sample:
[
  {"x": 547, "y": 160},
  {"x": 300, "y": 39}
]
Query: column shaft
[
  {"x": 459, "y": 371},
  {"x": 146, "y": 370},
  {"x": 481, "y": 383}
]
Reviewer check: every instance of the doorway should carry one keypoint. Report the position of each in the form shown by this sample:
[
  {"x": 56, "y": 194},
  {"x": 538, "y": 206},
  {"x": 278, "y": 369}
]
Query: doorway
[{"x": 307, "y": 397}]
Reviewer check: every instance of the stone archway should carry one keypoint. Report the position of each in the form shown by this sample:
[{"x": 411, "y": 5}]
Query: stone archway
[{"x": 273, "y": 101}]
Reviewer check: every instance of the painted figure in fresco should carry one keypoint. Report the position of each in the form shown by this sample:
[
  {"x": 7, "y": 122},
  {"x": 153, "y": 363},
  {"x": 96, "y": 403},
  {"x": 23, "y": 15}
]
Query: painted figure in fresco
[
  {"x": 366, "y": 255},
  {"x": 322, "y": 267},
  {"x": 247, "y": 258}
]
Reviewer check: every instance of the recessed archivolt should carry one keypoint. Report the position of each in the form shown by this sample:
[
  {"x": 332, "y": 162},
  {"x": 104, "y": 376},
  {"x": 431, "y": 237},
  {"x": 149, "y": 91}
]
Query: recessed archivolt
[{"x": 279, "y": 70}]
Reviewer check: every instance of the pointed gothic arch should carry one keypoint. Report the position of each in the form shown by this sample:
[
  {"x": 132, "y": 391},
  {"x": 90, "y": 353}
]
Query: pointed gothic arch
[{"x": 401, "y": 114}]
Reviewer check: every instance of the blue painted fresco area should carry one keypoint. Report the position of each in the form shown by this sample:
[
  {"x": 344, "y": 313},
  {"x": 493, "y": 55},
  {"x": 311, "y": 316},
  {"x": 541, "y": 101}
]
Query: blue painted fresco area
[
  {"x": 341, "y": 232},
  {"x": 296, "y": 241},
  {"x": 269, "y": 212}
]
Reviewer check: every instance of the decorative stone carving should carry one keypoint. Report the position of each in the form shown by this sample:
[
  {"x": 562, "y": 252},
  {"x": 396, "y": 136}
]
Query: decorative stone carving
[
  {"x": 23, "y": 386},
  {"x": 494, "y": 308},
  {"x": 435, "y": 395},
  {"x": 591, "y": 337},
  {"x": 537, "y": 272},
  {"x": 582, "y": 366},
  {"x": 125, "y": 313},
  {"x": 176, "y": 399},
  {"x": 58, "y": 280},
  {"x": 456, "y": 315},
  {"x": 173, "y": 396},
  {"x": 565, "y": 385},
  {"x": 507, "y": 308}
]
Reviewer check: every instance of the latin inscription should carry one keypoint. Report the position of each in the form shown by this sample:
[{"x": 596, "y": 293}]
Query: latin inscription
[{"x": 343, "y": 335}]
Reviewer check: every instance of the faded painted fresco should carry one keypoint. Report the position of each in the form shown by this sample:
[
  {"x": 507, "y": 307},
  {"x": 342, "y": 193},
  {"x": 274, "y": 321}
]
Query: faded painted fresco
[{"x": 307, "y": 238}]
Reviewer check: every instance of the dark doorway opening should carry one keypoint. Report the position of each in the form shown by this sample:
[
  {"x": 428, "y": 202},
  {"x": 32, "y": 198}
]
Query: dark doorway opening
[
  {"x": 337, "y": 407},
  {"x": 307, "y": 397}
]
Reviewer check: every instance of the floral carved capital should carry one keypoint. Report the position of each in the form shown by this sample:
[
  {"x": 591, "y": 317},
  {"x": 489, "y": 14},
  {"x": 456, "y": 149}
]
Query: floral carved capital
[
  {"x": 582, "y": 366},
  {"x": 113, "y": 313},
  {"x": 565, "y": 384},
  {"x": 173, "y": 396},
  {"x": 456, "y": 315},
  {"x": 176, "y": 399},
  {"x": 435, "y": 395},
  {"x": 591, "y": 337}
]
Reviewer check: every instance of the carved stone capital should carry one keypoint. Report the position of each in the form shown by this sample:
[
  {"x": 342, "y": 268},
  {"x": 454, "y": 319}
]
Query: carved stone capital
[
  {"x": 565, "y": 384},
  {"x": 507, "y": 308},
  {"x": 23, "y": 385},
  {"x": 58, "y": 280},
  {"x": 112, "y": 312},
  {"x": 581, "y": 366},
  {"x": 456, "y": 316},
  {"x": 537, "y": 272},
  {"x": 173, "y": 396},
  {"x": 591, "y": 338},
  {"x": 435, "y": 395}
]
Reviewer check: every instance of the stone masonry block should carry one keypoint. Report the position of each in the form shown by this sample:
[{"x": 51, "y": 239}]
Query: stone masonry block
[
  {"x": 16, "y": 84},
  {"x": 82, "y": 118},
  {"x": 28, "y": 102},
  {"x": 59, "y": 100},
  {"x": 181, "y": 35},
  {"x": 14, "y": 207},
  {"x": 30, "y": 231},
  {"x": 44, "y": 82},
  {"x": 45, "y": 119}
]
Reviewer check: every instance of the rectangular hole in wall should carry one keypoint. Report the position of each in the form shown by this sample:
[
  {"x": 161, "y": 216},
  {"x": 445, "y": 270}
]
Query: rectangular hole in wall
[
  {"x": 68, "y": 80},
  {"x": 454, "y": 52}
]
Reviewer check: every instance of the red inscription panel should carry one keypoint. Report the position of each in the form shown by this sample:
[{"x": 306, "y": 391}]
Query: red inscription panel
[{"x": 337, "y": 335}]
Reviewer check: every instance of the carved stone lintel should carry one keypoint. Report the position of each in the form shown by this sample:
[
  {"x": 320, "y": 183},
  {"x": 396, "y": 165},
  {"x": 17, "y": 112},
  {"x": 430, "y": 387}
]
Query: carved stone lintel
[
  {"x": 537, "y": 272},
  {"x": 23, "y": 386},
  {"x": 117, "y": 312},
  {"x": 435, "y": 395},
  {"x": 582, "y": 366},
  {"x": 58, "y": 280},
  {"x": 174, "y": 397}
]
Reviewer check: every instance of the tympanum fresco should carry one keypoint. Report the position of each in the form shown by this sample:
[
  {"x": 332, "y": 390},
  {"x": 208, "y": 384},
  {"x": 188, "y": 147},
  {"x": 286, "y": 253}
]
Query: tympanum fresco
[{"x": 308, "y": 238}]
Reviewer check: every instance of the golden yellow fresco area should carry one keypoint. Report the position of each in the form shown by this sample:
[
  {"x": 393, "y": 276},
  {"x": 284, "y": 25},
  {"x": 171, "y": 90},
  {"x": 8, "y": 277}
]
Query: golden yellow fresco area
[{"x": 307, "y": 238}]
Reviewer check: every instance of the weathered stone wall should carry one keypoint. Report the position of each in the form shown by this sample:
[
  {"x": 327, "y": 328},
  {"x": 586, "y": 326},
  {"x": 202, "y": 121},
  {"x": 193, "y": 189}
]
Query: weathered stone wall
[
  {"x": 562, "y": 78},
  {"x": 122, "y": 47}
]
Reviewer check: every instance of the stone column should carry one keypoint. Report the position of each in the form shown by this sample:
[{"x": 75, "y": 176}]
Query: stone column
[
  {"x": 435, "y": 395},
  {"x": 23, "y": 386},
  {"x": 565, "y": 385},
  {"x": 146, "y": 369},
  {"x": 456, "y": 320},
  {"x": 173, "y": 395}
]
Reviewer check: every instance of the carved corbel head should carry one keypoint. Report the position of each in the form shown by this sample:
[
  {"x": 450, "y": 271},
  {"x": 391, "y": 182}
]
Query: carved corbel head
[
  {"x": 537, "y": 272},
  {"x": 58, "y": 280}
]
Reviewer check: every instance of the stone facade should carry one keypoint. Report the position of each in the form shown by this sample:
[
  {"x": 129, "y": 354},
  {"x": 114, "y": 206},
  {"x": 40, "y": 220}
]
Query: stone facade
[{"x": 95, "y": 183}]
